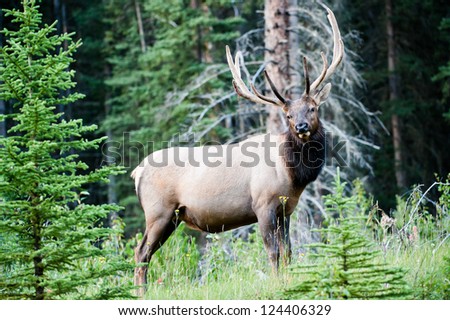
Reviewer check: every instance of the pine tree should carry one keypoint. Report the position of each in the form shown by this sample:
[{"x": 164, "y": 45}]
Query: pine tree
[
  {"x": 49, "y": 237},
  {"x": 346, "y": 266}
]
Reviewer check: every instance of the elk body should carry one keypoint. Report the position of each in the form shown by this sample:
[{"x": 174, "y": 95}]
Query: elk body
[{"x": 218, "y": 188}]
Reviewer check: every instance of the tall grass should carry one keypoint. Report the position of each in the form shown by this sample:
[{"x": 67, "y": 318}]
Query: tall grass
[
  {"x": 229, "y": 268},
  {"x": 240, "y": 270}
]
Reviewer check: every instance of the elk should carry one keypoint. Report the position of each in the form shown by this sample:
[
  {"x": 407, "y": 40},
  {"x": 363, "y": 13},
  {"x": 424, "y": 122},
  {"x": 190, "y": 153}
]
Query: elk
[{"x": 180, "y": 184}]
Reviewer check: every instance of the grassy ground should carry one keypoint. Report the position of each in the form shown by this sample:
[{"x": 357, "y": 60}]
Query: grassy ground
[
  {"x": 228, "y": 269},
  {"x": 239, "y": 270},
  {"x": 428, "y": 272}
]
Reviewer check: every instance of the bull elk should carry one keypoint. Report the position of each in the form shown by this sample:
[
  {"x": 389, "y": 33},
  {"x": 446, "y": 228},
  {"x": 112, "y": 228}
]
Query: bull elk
[{"x": 230, "y": 192}]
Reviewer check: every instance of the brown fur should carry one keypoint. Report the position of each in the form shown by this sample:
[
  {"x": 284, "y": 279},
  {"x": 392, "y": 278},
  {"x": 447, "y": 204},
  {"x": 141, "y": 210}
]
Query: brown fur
[{"x": 305, "y": 159}]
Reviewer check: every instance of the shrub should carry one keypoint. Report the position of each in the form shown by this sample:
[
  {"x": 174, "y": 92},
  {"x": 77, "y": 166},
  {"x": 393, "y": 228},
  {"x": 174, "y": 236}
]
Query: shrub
[
  {"x": 50, "y": 236},
  {"x": 346, "y": 266}
]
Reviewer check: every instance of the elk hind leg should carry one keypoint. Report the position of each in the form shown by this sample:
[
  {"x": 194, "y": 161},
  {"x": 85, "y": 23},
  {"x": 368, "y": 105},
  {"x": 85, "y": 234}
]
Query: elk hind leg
[
  {"x": 269, "y": 232},
  {"x": 156, "y": 233}
]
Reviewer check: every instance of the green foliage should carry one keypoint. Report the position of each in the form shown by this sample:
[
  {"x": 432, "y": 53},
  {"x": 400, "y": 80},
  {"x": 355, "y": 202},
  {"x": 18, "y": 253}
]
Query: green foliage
[
  {"x": 346, "y": 266},
  {"x": 432, "y": 281},
  {"x": 116, "y": 261},
  {"x": 443, "y": 205},
  {"x": 337, "y": 204},
  {"x": 417, "y": 239},
  {"x": 414, "y": 221},
  {"x": 47, "y": 229},
  {"x": 437, "y": 284}
]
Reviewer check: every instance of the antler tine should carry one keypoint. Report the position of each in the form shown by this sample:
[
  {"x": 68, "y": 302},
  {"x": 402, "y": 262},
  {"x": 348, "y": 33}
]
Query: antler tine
[
  {"x": 239, "y": 85},
  {"x": 321, "y": 78},
  {"x": 237, "y": 58},
  {"x": 305, "y": 72},
  {"x": 338, "y": 52},
  {"x": 266, "y": 99},
  {"x": 274, "y": 88}
]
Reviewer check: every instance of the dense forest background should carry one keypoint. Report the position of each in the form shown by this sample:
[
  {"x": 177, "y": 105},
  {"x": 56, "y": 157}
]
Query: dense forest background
[
  {"x": 152, "y": 74},
  {"x": 143, "y": 65}
]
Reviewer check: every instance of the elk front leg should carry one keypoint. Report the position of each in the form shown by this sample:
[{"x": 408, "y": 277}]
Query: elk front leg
[{"x": 270, "y": 233}]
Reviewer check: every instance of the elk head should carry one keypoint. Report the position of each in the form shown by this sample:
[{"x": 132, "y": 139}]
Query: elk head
[{"x": 302, "y": 114}]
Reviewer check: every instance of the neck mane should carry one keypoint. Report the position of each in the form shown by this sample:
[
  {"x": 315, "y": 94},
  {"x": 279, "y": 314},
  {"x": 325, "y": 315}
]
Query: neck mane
[{"x": 304, "y": 159}]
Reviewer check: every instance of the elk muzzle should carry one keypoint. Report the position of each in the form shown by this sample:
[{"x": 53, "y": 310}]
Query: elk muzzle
[{"x": 302, "y": 127}]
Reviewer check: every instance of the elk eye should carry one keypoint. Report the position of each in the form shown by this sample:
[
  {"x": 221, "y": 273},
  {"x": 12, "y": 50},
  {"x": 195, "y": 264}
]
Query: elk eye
[
  {"x": 311, "y": 109},
  {"x": 289, "y": 117}
]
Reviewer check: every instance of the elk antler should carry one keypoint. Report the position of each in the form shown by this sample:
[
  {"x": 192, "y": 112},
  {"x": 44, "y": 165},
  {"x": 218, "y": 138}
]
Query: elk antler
[
  {"x": 241, "y": 88},
  {"x": 256, "y": 96},
  {"x": 338, "y": 53}
]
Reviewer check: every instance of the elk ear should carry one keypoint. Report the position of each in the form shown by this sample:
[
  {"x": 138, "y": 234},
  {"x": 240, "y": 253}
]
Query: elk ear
[{"x": 322, "y": 95}]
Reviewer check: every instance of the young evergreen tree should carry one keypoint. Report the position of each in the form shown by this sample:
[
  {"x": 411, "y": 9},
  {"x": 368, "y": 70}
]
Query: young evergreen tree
[
  {"x": 347, "y": 265},
  {"x": 49, "y": 238}
]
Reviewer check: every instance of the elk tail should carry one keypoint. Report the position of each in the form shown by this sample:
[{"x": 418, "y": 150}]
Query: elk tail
[{"x": 136, "y": 175}]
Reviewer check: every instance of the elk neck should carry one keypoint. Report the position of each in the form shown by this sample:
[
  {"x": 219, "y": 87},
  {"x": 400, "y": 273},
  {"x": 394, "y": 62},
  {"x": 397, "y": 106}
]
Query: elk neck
[{"x": 304, "y": 159}]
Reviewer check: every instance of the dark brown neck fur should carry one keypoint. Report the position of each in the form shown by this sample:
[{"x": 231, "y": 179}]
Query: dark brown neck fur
[{"x": 304, "y": 159}]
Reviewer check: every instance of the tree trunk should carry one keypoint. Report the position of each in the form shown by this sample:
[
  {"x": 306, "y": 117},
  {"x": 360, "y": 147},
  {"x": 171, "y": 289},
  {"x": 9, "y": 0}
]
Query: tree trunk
[
  {"x": 294, "y": 45},
  {"x": 137, "y": 7},
  {"x": 57, "y": 13},
  {"x": 277, "y": 56},
  {"x": 203, "y": 48},
  {"x": 393, "y": 96}
]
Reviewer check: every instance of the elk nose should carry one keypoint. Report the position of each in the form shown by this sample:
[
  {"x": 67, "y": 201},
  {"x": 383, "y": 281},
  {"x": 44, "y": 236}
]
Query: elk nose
[{"x": 301, "y": 127}]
